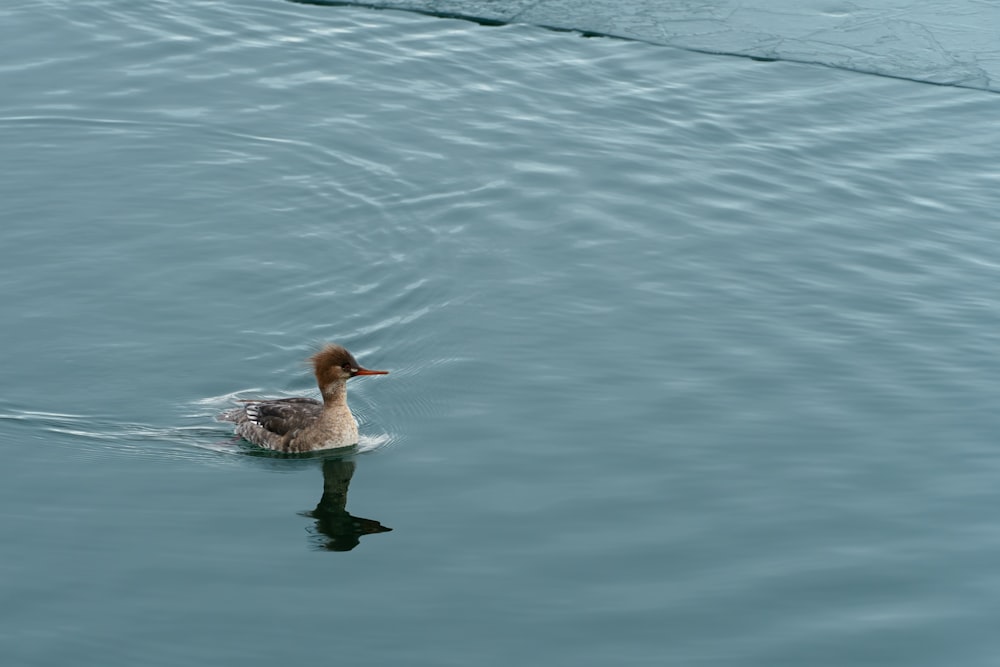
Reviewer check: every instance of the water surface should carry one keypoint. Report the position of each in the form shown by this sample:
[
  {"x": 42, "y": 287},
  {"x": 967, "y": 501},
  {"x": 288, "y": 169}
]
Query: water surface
[{"x": 693, "y": 358}]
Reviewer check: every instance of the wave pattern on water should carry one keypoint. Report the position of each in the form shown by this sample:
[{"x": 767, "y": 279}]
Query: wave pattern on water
[
  {"x": 942, "y": 43},
  {"x": 731, "y": 327}
]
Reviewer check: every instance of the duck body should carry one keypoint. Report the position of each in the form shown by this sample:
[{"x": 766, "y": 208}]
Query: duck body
[{"x": 296, "y": 425}]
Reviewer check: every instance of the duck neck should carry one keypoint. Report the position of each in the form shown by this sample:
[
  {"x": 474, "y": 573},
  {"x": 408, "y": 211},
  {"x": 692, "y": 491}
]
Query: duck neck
[{"x": 335, "y": 396}]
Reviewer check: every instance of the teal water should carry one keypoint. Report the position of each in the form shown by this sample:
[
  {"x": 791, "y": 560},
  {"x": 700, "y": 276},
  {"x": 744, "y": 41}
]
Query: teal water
[{"x": 692, "y": 358}]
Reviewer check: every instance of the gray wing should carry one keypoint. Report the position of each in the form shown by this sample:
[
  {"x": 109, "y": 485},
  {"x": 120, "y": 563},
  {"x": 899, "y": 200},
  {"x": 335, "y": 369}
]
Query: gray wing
[
  {"x": 266, "y": 423},
  {"x": 283, "y": 415}
]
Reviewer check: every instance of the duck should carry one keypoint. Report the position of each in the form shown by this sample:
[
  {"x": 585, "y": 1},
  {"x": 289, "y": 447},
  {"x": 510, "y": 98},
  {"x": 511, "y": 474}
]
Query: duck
[{"x": 299, "y": 425}]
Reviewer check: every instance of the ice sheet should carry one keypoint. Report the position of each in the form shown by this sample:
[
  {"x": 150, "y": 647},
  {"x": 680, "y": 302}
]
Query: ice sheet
[{"x": 954, "y": 43}]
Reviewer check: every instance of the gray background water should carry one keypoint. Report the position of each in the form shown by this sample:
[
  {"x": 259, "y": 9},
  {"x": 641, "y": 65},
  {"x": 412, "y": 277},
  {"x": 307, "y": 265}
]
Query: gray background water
[{"x": 693, "y": 358}]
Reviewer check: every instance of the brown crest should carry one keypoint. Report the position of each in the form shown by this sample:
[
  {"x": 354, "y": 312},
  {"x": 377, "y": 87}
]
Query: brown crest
[{"x": 328, "y": 364}]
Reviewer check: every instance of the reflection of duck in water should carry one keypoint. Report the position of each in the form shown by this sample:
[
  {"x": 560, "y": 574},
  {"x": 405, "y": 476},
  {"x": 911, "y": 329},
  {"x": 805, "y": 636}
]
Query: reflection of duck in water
[
  {"x": 296, "y": 425},
  {"x": 336, "y": 529}
]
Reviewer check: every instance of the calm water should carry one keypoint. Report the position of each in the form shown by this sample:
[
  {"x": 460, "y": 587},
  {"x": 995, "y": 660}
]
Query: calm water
[{"x": 693, "y": 357}]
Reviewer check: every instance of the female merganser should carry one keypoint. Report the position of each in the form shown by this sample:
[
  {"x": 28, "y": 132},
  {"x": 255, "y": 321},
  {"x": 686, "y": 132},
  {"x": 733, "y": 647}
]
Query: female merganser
[{"x": 304, "y": 424}]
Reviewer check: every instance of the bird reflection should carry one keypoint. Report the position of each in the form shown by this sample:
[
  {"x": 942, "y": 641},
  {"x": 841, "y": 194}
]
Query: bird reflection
[{"x": 336, "y": 529}]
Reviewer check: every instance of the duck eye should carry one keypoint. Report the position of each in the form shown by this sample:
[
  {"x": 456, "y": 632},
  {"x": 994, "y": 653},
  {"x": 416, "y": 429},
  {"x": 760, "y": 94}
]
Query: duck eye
[{"x": 346, "y": 366}]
